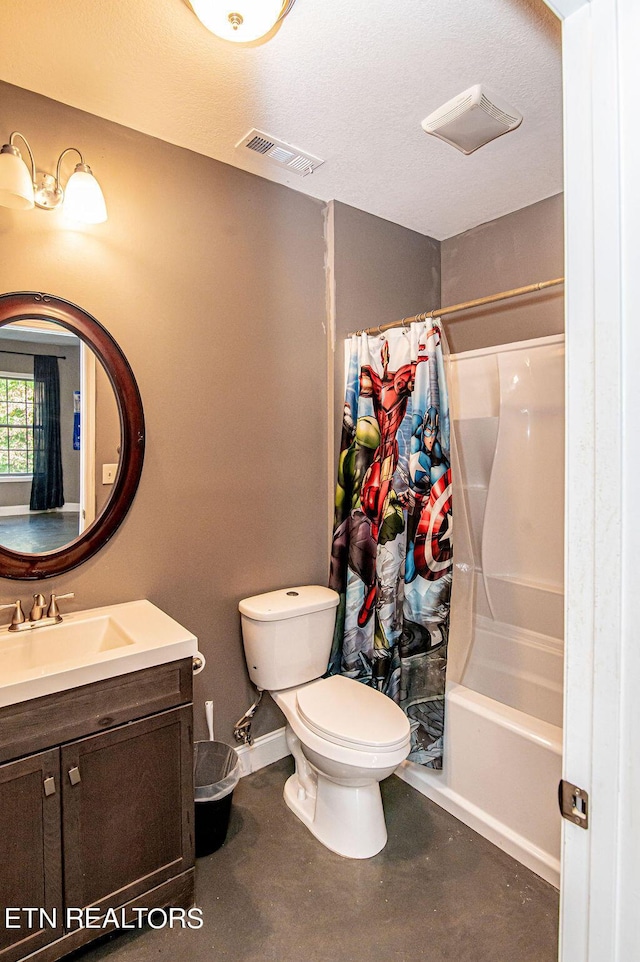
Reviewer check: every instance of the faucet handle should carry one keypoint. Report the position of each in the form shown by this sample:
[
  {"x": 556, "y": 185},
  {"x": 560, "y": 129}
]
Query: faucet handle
[
  {"x": 18, "y": 614},
  {"x": 53, "y": 611}
]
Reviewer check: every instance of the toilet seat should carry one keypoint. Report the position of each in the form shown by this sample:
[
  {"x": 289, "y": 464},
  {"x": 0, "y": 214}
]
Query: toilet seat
[{"x": 348, "y": 713}]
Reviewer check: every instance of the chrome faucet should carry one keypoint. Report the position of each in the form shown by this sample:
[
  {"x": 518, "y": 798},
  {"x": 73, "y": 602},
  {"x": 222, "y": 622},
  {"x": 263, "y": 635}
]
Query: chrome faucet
[{"x": 37, "y": 617}]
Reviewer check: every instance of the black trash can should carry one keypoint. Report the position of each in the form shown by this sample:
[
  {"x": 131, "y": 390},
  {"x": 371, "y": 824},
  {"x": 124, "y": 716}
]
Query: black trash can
[{"x": 217, "y": 772}]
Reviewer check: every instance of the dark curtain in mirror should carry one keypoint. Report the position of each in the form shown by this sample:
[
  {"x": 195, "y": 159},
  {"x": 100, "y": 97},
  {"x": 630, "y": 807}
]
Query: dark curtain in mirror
[{"x": 46, "y": 489}]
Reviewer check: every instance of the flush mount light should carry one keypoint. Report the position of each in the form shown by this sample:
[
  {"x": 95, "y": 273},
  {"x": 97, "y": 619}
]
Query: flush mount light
[
  {"x": 82, "y": 199},
  {"x": 240, "y": 20}
]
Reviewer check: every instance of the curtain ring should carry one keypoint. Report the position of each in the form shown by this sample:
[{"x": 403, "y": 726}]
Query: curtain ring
[
  {"x": 404, "y": 326},
  {"x": 380, "y": 333}
]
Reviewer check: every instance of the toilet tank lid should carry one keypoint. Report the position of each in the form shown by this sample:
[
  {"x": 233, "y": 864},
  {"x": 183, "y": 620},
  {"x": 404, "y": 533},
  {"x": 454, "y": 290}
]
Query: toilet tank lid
[{"x": 288, "y": 603}]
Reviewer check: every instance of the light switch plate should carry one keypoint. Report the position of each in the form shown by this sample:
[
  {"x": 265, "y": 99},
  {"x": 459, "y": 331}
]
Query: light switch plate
[{"x": 109, "y": 472}]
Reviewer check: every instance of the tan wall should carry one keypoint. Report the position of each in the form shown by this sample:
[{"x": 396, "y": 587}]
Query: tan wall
[
  {"x": 521, "y": 248},
  {"x": 212, "y": 281},
  {"x": 382, "y": 271}
]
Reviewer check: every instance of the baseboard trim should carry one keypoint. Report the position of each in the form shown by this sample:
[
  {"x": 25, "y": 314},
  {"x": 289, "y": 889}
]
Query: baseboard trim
[
  {"x": 265, "y": 750},
  {"x": 17, "y": 510}
]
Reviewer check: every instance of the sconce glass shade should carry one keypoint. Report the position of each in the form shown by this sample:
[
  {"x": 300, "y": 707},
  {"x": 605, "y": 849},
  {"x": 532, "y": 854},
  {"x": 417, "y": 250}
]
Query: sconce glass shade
[
  {"x": 238, "y": 20},
  {"x": 16, "y": 186},
  {"x": 83, "y": 197}
]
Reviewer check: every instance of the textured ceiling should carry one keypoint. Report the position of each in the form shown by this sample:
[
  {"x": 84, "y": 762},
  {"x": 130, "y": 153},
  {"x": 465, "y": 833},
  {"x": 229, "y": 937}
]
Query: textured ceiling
[{"x": 347, "y": 81}]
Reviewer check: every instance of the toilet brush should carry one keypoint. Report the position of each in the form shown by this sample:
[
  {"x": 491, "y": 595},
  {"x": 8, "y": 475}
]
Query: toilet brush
[{"x": 208, "y": 711}]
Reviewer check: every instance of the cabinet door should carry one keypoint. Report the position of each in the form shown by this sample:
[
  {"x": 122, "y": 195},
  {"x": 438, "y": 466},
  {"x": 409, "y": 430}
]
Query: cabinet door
[
  {"x": 127, "y": 809},
  {"x": 30, "y": 860}
]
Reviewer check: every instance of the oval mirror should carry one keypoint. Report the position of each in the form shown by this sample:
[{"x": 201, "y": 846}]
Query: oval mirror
[{"x": 71, "y": 436}]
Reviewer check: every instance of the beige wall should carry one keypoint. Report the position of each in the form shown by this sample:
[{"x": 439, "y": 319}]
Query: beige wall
[
  {"x": 212, "y": 282},
  {"x": 513, "y": 251},
  {"x": 382, "y": 271}
]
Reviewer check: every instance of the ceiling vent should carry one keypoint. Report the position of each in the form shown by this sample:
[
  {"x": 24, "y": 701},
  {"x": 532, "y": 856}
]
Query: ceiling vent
[
  {"x": 279, "y": 153},
  {"x": 472, "y": 119}
]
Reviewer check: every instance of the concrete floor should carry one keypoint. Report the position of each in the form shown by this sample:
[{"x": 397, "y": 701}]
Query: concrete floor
[{"x": 272, "y": 893}]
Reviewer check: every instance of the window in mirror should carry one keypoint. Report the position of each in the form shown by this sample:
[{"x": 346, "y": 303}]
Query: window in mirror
[
  {"x": 16, "y": 426},
  {"x": 40, "y": 491}
]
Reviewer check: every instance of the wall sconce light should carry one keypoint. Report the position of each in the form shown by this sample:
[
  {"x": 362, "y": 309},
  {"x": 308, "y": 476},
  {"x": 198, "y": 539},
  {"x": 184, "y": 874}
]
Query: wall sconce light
[
  {"x": 240, "y": 20},
  {"x": 20, "y": 190}
]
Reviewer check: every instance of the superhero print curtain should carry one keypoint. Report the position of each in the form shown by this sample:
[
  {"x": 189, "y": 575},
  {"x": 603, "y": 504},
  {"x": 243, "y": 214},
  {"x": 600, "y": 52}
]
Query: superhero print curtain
[{"x": 392, "y": 551}]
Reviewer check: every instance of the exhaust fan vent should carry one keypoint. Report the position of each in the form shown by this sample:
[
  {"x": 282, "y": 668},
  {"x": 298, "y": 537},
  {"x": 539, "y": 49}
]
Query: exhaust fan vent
[
  {"x": 280, "y": 153},
  {"x": 472, "y": 119}
]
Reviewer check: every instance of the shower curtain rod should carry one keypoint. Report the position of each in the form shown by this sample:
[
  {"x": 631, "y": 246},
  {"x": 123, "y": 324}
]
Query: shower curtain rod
[{"x": 439, "y": 312}]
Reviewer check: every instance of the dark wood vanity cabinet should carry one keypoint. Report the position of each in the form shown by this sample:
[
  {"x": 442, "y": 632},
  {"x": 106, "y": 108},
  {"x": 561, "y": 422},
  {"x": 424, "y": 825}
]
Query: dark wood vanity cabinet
[
  {"x": 104, "y": 820},
  {"x": 30, "y": 850},
  {"x": 123, "y": 825}
]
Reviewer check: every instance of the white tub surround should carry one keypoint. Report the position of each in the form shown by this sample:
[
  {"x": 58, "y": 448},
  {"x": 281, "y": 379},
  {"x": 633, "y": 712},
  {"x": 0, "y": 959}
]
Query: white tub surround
[
  {"x": 502, "y": 759},
  {"x": 517, "y": 667}
]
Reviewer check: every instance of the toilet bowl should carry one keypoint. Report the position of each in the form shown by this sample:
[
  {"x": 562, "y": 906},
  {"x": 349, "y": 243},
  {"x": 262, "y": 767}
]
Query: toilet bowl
[
  {"x": 335, "y": 789},
  {"x": 344, "y": 736}
]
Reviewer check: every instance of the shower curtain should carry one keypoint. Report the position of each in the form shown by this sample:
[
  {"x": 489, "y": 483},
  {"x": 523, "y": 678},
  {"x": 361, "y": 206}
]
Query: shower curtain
[
  {"x": 392, "y": 552},
  {"x": 47, "y": 485}
]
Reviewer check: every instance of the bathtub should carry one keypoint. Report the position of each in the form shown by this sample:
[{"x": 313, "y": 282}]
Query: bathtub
[
  {"x": 503, "y": 717},
  {"x": 502, "y": 765}
]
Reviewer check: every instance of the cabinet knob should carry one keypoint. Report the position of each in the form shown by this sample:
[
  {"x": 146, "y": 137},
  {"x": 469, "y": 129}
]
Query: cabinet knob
[
  {"x": 74, "y": 775},
  {"x": 49, "y": 786}
]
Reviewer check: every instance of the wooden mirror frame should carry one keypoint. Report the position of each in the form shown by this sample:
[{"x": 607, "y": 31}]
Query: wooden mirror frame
[{"x": 29, "y": 306}]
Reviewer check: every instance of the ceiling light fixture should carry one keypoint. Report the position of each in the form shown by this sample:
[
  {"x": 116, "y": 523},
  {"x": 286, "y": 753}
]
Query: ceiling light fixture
[
  {"x": 240, "y": 21},
  {"x": 21, "y": 190}
]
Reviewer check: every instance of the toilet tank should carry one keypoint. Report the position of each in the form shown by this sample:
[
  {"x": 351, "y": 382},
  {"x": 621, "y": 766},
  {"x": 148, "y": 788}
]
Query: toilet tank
[{"x": 287, "y": 635}]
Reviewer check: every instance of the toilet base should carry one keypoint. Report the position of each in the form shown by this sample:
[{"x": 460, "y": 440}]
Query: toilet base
[{"x": 348, "y": 820}]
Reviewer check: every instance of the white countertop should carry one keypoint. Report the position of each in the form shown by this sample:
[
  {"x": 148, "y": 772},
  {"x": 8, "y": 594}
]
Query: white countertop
[{"x": 88, "y": 646}]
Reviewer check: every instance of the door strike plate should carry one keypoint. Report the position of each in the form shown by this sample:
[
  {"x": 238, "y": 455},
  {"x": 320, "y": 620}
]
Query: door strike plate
[{"x": 574, "y": 803}]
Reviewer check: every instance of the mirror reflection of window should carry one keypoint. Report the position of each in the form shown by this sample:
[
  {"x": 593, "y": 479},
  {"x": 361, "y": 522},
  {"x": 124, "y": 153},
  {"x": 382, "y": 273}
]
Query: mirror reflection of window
[
  {"x": 16, "y": 425},
  {"x": 55, "y": 519}
]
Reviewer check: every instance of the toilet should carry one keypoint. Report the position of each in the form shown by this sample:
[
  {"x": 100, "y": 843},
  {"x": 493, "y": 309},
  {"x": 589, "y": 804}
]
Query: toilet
[{"x": 344, "y": 736}]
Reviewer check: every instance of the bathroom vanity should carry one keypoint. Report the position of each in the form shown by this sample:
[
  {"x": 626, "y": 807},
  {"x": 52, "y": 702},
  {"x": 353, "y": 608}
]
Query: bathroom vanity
[
  {"x": 96, "y": 779},
  {"x": 96, "y": 742}
]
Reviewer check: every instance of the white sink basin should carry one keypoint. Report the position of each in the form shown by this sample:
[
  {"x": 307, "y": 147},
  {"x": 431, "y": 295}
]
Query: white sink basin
[{"x": 88, "y": 646}]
